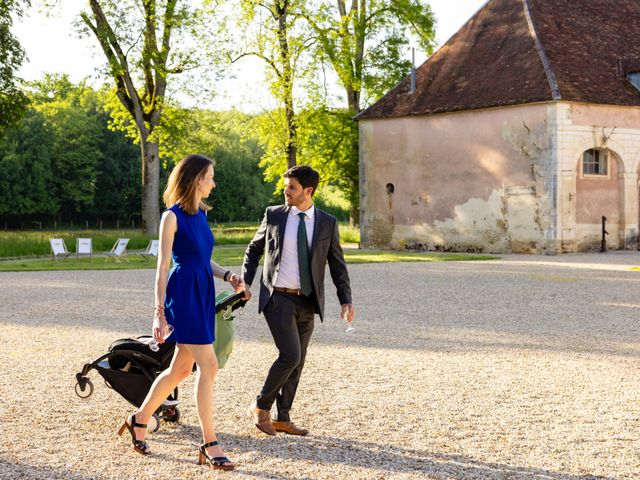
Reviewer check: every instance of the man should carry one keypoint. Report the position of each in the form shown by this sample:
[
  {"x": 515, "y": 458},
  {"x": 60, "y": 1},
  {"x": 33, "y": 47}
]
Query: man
[{"x": 292, "y": 288}]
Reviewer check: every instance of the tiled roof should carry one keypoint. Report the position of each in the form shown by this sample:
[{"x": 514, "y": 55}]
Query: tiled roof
[{"x": 521, "y": 51}]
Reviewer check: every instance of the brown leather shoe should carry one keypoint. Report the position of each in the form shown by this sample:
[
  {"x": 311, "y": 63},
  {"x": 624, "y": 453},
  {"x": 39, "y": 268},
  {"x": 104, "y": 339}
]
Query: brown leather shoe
[
  {"x": 289, "y": 427},
  {"x": 261, "y": 419}
]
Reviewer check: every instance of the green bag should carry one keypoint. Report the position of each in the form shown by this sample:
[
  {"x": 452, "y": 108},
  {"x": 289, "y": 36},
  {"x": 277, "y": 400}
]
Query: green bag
[{"x": 226, "y": 303}]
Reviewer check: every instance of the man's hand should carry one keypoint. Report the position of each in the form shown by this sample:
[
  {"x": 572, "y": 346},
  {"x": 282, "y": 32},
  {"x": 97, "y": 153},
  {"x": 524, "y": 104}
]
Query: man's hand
[
  {"x": 247, "y": 292},
  {"x": 348, "y": 312}
]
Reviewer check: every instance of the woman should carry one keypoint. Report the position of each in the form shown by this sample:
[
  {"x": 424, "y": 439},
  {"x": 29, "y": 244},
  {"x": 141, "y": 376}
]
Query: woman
[{"x": 185, "y": 299}]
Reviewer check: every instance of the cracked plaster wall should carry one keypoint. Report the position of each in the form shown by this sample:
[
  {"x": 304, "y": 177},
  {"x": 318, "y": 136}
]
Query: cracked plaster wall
[{"x": 469, "y": 181}]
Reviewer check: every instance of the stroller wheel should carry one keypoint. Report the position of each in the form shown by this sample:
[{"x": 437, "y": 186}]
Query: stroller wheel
[
  {"x": 84, "y": 391},
  {"x": 172, "y": 415},
  {"x": 153, "y": 425}
]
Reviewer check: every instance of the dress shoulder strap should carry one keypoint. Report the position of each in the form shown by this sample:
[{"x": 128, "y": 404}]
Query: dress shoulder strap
[{"x": 177, "y": 211}]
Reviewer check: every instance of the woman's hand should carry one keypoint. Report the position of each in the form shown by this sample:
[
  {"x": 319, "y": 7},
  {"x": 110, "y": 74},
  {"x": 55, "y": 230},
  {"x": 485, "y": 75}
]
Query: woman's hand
[
  {"x": 159, "y": 325},
  {"x": 236, "y": 282}
]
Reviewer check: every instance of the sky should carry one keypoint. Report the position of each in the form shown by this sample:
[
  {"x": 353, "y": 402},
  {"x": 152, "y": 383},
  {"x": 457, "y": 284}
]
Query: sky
[{"x": 64, "y": 52}]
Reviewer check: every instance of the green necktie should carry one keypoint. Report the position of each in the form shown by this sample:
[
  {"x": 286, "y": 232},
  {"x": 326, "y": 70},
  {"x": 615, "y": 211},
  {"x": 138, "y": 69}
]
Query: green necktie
[{"x": 303, "y": 258}]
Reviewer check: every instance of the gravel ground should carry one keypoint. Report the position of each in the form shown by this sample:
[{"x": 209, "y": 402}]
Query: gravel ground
[{"x": 522, "y": 368}]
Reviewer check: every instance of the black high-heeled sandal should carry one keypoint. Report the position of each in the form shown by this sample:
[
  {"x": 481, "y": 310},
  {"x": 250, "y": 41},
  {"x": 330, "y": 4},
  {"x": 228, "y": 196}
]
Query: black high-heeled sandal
[
  {"x": 130, "y": 423},
  {"x": 217, "y": 463}
]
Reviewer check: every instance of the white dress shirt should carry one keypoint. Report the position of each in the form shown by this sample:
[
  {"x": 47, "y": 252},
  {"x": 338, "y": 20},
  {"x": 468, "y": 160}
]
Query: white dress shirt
[{"x": 288, "y": 275}]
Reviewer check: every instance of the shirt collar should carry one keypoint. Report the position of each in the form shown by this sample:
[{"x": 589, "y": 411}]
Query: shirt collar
[{"x": 309, "y": 213}]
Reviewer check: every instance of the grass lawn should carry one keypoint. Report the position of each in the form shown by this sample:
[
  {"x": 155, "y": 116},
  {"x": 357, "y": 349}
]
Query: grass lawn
[
  {"x": 35, "y": 243},
  {"x": 228, "y": 255}
]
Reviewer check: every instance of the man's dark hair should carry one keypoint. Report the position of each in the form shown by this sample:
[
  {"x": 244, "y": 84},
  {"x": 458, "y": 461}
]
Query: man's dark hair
[{"x": 306, "y": 175}]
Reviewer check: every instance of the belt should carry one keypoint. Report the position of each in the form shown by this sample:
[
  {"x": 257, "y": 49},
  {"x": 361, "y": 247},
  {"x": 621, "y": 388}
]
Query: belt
[{"x": 292, "y": 291}]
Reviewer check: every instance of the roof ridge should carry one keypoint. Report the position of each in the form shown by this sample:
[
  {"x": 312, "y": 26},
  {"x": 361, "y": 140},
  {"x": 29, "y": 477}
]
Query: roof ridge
[{"x": 551, "y": 77}]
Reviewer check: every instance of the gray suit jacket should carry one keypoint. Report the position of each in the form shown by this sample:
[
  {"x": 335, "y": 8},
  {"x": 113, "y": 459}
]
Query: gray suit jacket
[{"x": 325, "y": 247}]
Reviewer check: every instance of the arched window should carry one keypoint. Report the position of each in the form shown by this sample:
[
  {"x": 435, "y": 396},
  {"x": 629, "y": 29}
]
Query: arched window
[{"x": 595, "y": 162}]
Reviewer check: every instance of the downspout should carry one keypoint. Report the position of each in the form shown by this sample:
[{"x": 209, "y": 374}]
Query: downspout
[{"x": 552, "y": 182}]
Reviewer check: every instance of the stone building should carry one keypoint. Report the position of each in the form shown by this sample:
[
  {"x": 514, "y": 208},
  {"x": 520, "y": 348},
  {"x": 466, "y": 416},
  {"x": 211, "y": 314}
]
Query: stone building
[{"x": 522, "y": 132}]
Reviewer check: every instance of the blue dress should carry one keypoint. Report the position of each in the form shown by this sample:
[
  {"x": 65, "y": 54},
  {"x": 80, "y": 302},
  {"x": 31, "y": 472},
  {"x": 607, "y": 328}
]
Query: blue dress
[{"x": 190, "y": 297}]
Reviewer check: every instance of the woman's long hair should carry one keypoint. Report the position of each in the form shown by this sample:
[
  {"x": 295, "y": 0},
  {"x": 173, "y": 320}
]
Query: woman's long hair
[{"x": 183, "y": 183}]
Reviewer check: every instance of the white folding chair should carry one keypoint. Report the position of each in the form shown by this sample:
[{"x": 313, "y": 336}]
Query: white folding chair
[
  {"x": 151, "y": 250},
  {"x": 58, "y": 248},
  {"x": 119, "y": 250},
  {"x": 84, "y": 246}
]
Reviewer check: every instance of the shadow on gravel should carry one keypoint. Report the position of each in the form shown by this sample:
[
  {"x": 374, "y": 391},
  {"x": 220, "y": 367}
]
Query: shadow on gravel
[
  {"x": 327, "y": 450},
  {"x": 10, "y": 469}
]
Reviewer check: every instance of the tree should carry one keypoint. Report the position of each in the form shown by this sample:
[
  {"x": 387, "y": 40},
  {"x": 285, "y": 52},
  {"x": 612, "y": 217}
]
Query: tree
[
  {"x": 328, "y": 140},
  {"x": 27, "y": 182},
  {"x": 71, "y": 114},
  {"x": 365, "y": 43},
  {"x": 277, "y": 39},
  {"x": 120, "y": 27},
  {"x": 13, "y": 101},
  {"x": 118, "y": 183},
  {"x": 230, "y": 140}
]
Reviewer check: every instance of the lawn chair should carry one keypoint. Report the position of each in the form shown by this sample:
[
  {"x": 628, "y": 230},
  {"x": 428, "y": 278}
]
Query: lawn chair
[
  {"x": 58, "y": 249},
  {"x": 151, "y": 251},
  {"x": 84, "y": 246},
  {"x": 119, "y": 250}
]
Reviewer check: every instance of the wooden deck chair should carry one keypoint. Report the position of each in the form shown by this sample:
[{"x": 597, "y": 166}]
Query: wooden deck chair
[
  {"x": 151, "y": 251},
  {"x": 84, "y": 246},
  {"x": 58, "y": 248},
  {"x": 119, "y": 250}
]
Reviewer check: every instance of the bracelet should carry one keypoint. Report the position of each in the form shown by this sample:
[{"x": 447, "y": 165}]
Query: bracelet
[{"x": 226, "y": 275}]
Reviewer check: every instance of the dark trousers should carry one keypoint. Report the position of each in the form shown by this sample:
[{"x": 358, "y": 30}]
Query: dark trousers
[{"x": 290, "y": 319}]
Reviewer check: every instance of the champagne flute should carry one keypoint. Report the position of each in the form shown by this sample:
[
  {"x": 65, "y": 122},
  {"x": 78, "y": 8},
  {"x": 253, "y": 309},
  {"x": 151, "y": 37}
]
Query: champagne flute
[
  {"x": 345, "y": 316},
  {"x": 154, "y": 345}
]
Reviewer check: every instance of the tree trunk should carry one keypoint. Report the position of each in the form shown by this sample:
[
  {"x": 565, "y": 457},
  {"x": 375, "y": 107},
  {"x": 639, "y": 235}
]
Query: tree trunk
[
  {"x": 354, "y": 216},
  {"x": 150, "y": 185},
  {"x": 291, "y": 149},
  {"x": 353, "y": 97}
]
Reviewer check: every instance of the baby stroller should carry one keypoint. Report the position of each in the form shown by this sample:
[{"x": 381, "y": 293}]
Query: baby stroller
[{"x": 130, "y": 366}]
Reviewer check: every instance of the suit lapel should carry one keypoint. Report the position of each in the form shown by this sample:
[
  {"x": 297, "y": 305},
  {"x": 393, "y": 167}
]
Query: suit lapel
[
  {"x": 282, "y": 224},
  {"x": 316, "y": 230}
]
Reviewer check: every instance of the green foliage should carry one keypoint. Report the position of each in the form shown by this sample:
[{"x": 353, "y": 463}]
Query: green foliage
[
  {"x": 36, "y": 243},
  {"x": 145, "y": 43},
  {"x": 366, "y": 42},
  {"x": 232, "y": 256},
  {"x": 25, "y": 161},
  {"x": 16, "y": 244},
  {"x": 62, "y": 161},
  {"x": 71, "y": 113},
  {"x": 328, "y": 142},
  {"x": 349, "y": 234},
  {"x": 331, "y": 200},
  {"x": 366, "y": 45},
  {"x": 226, "y": 137},
  {"x": 377, "y": 256},
  {"x": 13, "y": 101},
  {"x": 271, "y": 131}
]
